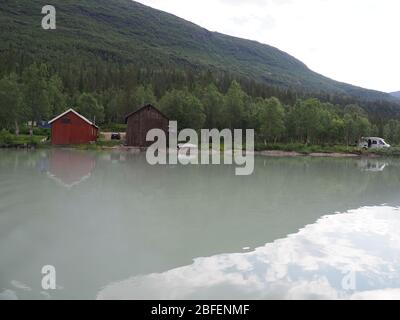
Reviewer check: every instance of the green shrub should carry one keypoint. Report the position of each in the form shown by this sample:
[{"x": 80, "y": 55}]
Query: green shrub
[
  {"x": 112, "y": 143},
  {"x": 390, "y": 152},
  {"x": 25, "y": 130},
  {"x": 6, "y": 138},
  {"x": 41, "y": 132},
  {"x": 113, "y": 127}
]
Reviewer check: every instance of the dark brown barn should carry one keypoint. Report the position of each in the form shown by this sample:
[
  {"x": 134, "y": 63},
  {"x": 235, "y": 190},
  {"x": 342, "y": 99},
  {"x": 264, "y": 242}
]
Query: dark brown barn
[
  {"x": 140, "y": 122},
  {"x": 72, "y": 128}
]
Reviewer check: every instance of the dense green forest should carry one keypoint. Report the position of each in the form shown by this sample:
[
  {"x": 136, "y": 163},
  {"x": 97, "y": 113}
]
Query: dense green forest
[
  {"x": 94, "y": 39},
  {"x": 202, "y": 102},
  {"x": 108, "y": 58}
]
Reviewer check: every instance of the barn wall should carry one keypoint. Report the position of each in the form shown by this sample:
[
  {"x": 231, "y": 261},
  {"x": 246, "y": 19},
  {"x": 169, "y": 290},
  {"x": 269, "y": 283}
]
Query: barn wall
[
  {"x": 142, "y": 122},
  {"x": 77, "y": 131}
]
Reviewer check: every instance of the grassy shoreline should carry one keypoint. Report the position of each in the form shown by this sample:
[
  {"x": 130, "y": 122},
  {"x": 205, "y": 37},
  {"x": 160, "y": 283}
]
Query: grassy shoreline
[
  {"x": 21, "y": 141},
  {"x": 289, "y": 149},
  {"x": 303, "y": 149}
]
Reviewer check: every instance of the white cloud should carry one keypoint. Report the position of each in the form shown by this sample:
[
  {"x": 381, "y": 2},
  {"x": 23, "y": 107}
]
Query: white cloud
[{"x": 354, "y": 41}]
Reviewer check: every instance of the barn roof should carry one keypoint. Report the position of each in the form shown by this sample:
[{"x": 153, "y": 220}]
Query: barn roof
[
  {"x": 73, "y": 111},
  {"x": 141, "y": 109}
]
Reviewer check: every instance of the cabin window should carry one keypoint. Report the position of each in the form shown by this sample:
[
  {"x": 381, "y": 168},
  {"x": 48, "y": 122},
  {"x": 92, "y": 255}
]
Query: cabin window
[
  {"x": 65, "y": 120},
  {"x": 374, "y": 142}
]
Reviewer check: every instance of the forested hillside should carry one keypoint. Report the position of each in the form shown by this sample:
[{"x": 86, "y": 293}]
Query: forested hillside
[
  {"x": 92, "y": 35},
  {"x": 108, "y": 57}
]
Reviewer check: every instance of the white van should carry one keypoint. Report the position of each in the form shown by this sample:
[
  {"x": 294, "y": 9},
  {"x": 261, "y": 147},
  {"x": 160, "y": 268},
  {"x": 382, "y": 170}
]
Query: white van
[{"x": 373, "y": 143}]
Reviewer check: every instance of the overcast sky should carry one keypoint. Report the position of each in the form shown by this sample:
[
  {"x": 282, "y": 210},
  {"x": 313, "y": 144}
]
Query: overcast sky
[{"x": 354, "y": 41}]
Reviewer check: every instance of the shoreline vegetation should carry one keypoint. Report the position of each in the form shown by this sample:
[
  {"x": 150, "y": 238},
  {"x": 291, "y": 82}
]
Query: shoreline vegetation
[
  {"x": 25, "y": 141},
  {"x": 39, "y": 94},
  {"x": 303, "y": 125}
]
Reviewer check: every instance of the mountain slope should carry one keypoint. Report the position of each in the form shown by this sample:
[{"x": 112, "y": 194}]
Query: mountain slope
[{"x": 129, "y": 32}]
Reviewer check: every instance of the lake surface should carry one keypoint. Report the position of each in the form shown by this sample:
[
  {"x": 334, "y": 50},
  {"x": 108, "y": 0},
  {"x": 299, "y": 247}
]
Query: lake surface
[{"x": 115, "y": 227}]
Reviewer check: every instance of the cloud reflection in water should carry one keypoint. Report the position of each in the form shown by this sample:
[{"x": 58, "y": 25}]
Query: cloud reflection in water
[{"x": 308, "y": 265}]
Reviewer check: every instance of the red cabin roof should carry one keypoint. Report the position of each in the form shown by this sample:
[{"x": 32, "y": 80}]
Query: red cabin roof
[{"x": 76, "y": 113}]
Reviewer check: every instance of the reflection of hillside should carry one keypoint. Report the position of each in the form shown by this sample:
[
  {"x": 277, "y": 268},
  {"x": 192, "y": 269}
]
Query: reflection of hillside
[
  {"x": 69, "y": 167},
  {"x": 209, "y": 209}
]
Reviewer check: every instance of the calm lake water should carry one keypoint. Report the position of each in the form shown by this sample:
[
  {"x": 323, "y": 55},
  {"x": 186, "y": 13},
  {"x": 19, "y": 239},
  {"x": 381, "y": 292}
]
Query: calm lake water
[{"x": 117, "y": 228}]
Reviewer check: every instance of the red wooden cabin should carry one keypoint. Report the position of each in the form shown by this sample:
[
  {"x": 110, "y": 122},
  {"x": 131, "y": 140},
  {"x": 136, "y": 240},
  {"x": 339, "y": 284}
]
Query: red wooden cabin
[{"x": 72, "y": 128}]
